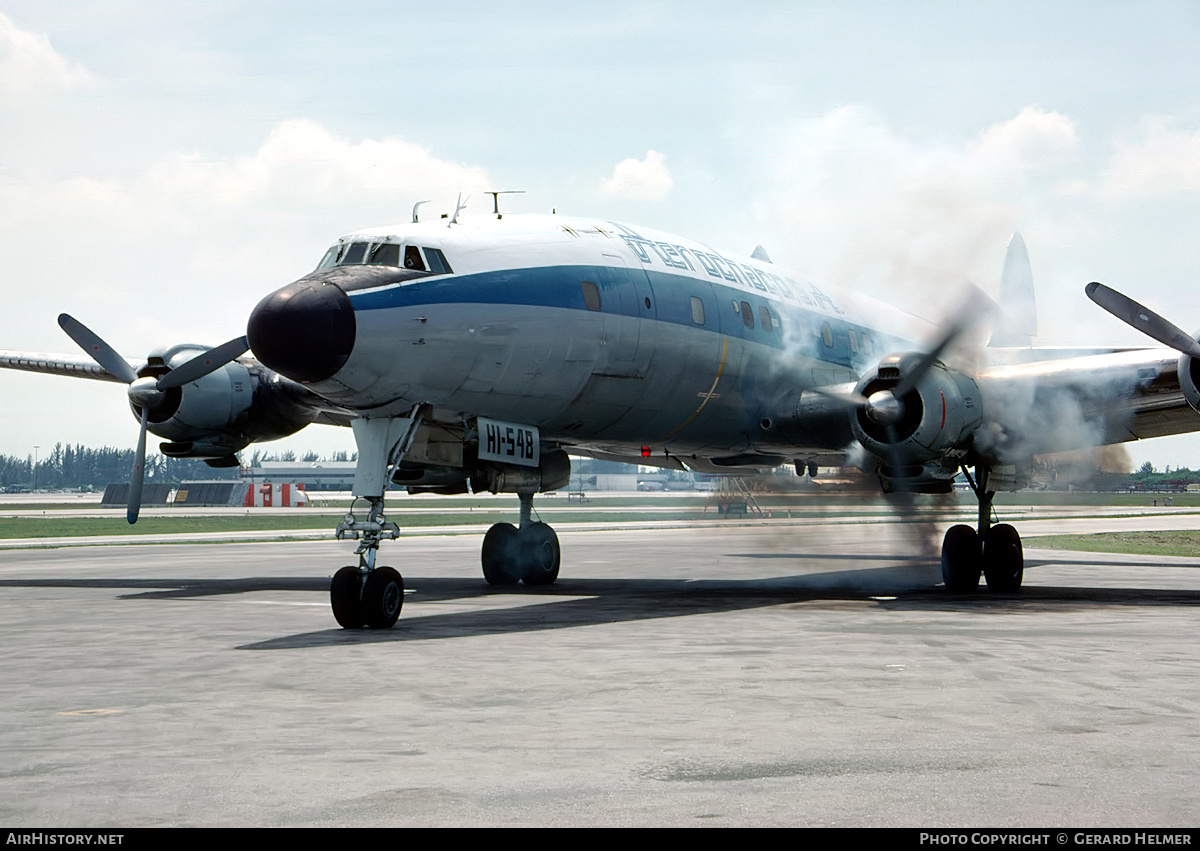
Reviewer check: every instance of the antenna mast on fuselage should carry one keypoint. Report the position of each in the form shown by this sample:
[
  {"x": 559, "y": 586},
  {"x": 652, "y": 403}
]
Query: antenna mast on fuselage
[
  {"x": 459, "y": 206},
  {"x": 496, "y": 198}
]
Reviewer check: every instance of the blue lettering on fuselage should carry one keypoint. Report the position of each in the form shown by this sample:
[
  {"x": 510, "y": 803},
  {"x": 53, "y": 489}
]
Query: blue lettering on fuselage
[{"x": 717, "y": 266}]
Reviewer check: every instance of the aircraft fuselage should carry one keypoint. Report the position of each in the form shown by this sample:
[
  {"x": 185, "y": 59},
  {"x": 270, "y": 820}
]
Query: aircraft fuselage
[{"x": 594, "y": 332}]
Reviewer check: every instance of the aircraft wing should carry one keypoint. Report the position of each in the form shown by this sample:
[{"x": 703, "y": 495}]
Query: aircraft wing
[
  {"x": 1093, "y": 400},
  {"x": 73, "y": 366}
]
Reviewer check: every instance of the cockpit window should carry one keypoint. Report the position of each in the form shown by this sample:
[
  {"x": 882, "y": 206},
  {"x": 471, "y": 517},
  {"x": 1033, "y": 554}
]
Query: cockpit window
[
  {"x": 331, "y": 257},
  {"x": 437, "y": 261},
  {"x": 354, "y": 254},
  {"x": 412, "y": 258},
  {"x": 385, "y": 254}
]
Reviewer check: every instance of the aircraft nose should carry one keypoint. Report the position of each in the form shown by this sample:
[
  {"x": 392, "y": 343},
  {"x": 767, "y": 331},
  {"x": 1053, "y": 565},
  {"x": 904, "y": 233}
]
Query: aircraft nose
[{"x": 304, "y": 331}]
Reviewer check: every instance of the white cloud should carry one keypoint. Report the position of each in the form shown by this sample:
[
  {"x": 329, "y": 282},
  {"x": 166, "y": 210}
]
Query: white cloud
[
  {"x": 302, "y": 162},
  {"x": 30, "y": 67},
  {"x": 908, "y": 218},
  {"x": 1163, "y": 160},
  {"x": 647, "y": 179},
  {"x": 207, "y": 236},
  {"x": 1035, "y": 137}
]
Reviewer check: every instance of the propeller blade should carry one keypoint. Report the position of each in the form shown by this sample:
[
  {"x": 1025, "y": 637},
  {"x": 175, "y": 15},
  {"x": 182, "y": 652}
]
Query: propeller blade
[
  {"x": 914, "y": 375},
  {"x": 135, "y": 476},
  {"x": 975, "y": 306},
  {"x": 1142, "y": 318},
  {"x": 203, "y": 364},
  {"x": 98, "y": 350}
]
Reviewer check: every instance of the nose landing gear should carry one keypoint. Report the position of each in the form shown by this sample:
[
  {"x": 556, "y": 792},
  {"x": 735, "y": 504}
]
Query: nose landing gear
[
  {"x": 370, "y": 599},
  {"x": 367, "y": 595}
]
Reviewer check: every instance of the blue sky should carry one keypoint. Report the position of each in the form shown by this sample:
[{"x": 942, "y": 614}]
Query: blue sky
[{"x": 164, "y": 165}]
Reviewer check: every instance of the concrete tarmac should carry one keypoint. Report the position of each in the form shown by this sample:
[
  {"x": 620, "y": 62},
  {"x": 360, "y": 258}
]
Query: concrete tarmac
[{"x": 752, "y": 675}]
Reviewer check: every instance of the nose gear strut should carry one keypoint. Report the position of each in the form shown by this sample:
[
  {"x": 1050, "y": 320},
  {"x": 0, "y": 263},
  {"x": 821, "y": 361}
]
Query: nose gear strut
[{"x": 368, "y": 595}]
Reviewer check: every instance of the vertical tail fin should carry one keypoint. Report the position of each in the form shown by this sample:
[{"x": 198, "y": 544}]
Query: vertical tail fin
[{"x": 1016, "y": 324}]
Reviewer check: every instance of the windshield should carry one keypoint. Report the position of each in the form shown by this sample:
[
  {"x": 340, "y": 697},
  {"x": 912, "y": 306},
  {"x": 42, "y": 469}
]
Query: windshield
[{"x": 386, "y": 254}]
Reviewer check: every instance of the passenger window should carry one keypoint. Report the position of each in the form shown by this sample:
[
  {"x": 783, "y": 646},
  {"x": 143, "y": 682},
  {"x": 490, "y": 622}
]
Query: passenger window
[
  {"x": 591, "y": 295},
  {"x": 697, "y": 311},
  {"x": 385, "y": 254},
  {"x": 853, "y": 341},
  {"x": 437, "y": 261},
  {"x": 764, "y": 316},
  {"x": 354, "y": 254},
  {"x": 827, "y": 334},
  {"x": 867, "y": 343},
  {"x": 747, "y": 314},
  {"x": 412, "y": 258}
]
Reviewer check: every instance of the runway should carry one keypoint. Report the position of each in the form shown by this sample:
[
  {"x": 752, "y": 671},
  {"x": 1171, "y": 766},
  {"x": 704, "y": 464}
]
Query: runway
[{"x": 740, "y": 676}]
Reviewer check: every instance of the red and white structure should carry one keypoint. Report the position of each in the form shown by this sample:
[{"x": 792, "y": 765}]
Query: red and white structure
[{"x": 278, "y": 495}]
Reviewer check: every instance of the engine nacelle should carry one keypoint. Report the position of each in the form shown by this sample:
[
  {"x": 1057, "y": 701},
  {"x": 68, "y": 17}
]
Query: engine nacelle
[
  {"x": 420, "y": 478},
  {"x": 553, "y": 472},
  {"x": 1189, "y": 380},
  {"x": 921, "y": 447},
  {"x": 222, "y": 412}
]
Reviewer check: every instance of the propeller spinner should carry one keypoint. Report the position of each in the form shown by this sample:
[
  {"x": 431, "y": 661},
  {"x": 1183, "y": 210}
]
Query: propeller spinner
[
  {"x": 147, "y": 393},
  {"x": 885, "y": 407}
]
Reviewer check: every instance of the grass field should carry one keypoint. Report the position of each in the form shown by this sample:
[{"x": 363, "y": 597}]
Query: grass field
[
  {"x": 68, "y": 517},
  {"x": 1130, "y": 543}
]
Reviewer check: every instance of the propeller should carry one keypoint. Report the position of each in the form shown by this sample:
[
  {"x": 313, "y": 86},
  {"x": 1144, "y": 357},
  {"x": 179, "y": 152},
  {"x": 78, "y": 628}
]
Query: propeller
[
  {"x": 147, "y": 393},
  {"x": 886, "y": 407},
  {"x": 1142, "y": 318}
]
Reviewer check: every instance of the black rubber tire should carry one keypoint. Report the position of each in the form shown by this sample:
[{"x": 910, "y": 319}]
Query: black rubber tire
[
  {"x": 500, "y": 555},
  {"x": 345, "y": 598},
  {"x": 540, "y": 554},
  {"x": 1003, "y": 559},
  {"x": 961, "y": 557},
  {"x": 382, "y": 598}
]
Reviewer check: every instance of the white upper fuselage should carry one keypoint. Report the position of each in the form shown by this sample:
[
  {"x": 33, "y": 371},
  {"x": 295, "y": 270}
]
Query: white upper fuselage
[{"x": 600, "y": 334}]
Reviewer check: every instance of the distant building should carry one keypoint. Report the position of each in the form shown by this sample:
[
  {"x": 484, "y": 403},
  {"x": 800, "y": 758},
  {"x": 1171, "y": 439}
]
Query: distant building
[
  {"x": 314, "y": 475},
  {"x": 587, "y": 474}
]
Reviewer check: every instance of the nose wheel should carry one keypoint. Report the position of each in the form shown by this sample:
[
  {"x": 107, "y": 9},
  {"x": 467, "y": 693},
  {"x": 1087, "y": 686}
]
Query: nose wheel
[
  {"x": 367, "y": 595},
  {"x": 372, "y": 600}
]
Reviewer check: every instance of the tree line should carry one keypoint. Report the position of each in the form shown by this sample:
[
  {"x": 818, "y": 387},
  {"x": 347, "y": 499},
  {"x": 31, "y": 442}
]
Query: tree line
[{"x": 73, "y": 467}]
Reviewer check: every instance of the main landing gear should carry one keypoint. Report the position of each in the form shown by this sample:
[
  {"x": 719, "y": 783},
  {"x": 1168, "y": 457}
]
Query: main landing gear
[
  {"x": 994, "y": 551},
  {"x": 528, "y": 554}
]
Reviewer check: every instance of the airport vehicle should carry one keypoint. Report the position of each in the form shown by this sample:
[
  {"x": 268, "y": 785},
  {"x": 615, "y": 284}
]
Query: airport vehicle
[{"x": 477, "y": 352}]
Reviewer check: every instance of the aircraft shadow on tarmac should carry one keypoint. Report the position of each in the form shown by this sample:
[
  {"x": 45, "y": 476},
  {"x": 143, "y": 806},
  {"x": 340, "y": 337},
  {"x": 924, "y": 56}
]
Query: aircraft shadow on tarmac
[{"x": 900, "y": 584}]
